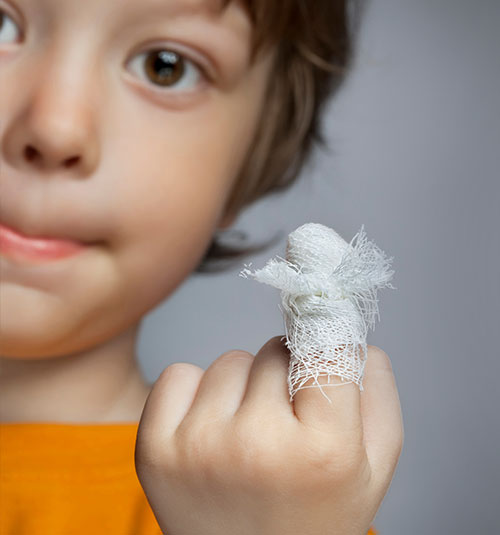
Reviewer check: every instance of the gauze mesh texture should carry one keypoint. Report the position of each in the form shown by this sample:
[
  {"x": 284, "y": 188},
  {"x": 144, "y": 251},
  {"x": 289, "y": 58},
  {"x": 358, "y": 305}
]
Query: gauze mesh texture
[{"x": 328, "y": 300}]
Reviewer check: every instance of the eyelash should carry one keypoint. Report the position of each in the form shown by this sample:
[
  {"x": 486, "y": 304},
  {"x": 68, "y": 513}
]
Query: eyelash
[
  {"x": 6, "y": 17},
  {"x": 168, "y": 54}
]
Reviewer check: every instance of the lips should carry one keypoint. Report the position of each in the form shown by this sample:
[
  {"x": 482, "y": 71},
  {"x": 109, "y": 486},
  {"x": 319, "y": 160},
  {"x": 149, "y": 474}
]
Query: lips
[{"x": 19, "y": 246}]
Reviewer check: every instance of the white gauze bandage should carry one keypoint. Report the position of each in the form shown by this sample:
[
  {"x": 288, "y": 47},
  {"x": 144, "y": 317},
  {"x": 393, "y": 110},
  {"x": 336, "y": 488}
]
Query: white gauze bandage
[{"x": 329, "y": 300}]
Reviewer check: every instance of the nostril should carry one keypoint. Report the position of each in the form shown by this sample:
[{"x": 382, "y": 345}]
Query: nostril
[
  {"x": 71, "y": 161},
  {"x": 30, "y": 153}
]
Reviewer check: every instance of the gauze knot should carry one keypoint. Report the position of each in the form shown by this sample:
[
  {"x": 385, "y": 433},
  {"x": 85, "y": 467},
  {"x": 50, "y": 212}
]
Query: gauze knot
[{"x": 329, "y": 301}]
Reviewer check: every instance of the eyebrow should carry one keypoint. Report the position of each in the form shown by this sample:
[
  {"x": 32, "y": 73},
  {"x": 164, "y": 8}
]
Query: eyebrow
[
  {"x": 208, "y": 10},
  {"x": 204, "y": 10},
  {"x": 180, "y": 7}
]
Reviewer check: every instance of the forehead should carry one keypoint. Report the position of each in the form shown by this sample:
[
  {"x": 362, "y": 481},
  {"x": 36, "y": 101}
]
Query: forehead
[
  {"x": 172, "y": 8},
  {"x": 178, "y": 7},
  {"x": 202, "y": 17}
]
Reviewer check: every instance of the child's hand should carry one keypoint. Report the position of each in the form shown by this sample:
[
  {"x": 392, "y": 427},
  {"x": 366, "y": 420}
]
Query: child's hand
[{"x": 213, "y": 463}]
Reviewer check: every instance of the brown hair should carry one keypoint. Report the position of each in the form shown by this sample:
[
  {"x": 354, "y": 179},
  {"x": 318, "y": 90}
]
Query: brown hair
[{"x": 314, "y": 41}]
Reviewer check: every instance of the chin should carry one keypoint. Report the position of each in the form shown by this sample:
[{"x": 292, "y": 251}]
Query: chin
[{"x": 32, "y": 323}]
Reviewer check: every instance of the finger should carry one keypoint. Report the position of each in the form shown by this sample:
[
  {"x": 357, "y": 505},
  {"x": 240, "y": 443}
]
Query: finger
[
  {"x": 267, "y": 381},
  {"x": 222, "y": 386},
  {"x": 335, "y": 406},
  {"x": 170, "y": 399},
  {"x": 381, "y": 413}
]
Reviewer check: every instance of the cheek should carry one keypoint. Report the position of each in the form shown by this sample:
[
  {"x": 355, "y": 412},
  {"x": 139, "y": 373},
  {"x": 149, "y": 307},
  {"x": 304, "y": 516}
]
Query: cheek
[
  {"x": 174, "y": 187},
  {"x": 171, "y": 220},
  {"x": 161, "y": 194},
  {"x": 173, "y": 180}
]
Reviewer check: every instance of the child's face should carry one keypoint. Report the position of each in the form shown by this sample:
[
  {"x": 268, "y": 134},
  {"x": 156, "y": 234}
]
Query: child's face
[{"x": 131, "y": 151}]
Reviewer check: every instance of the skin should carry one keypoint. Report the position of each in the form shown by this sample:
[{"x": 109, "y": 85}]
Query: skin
[
  {"x": 142, "y": 175},
  {"x": 229, "y": 441},
  {"x": 73, "y": 89}
]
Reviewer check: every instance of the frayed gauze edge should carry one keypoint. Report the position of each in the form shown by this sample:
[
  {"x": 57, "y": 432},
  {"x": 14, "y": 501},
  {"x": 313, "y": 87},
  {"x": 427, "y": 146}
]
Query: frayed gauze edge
[{"x": 328, "y": 301}]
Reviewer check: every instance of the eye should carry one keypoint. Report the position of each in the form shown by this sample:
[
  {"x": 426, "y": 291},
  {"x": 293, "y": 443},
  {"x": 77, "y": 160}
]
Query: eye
[
  {"x": 165, "y": 68},
  {"x": 9, "y": 30}
]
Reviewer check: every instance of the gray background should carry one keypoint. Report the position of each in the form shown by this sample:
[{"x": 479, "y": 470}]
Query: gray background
[{"x": 416, "y": 142}]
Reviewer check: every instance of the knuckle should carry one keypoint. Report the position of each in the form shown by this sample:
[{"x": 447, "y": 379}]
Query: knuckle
[
  {"x": 235, "y": 354},
  {"x": 180, "y": 369},
  {"x": 275, "y": 343},
  {"x": 380, "y": 357}
]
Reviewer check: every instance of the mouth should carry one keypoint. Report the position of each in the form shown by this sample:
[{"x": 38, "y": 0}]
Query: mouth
[{"x": 18, "y": 246}]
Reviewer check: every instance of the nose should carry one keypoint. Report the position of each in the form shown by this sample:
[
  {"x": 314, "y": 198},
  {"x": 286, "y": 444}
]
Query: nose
[{"x": 52, "y": 128}]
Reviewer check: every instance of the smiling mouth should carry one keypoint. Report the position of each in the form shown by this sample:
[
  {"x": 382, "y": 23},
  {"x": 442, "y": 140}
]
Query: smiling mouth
[{"x": 19, "y": 246}]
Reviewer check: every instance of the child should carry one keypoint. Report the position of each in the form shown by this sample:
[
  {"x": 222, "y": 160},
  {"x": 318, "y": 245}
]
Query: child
[{"x": 131, "y": 131}]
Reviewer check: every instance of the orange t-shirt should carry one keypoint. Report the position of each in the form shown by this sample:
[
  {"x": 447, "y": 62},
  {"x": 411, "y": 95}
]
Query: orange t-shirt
[{"x": 72, "y": 479}]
